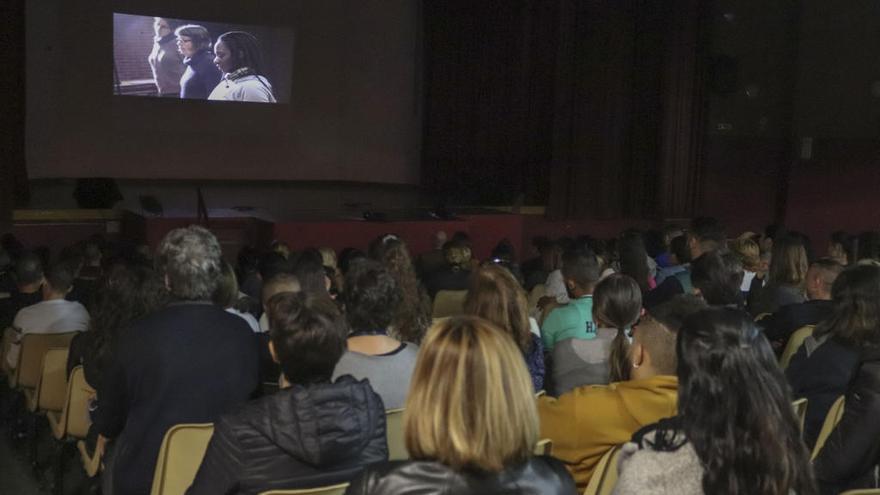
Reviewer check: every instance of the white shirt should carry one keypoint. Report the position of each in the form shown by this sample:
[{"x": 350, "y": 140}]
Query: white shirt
[
  {"x": 53, "y": 316},
  {"x": 249, "y": 318},
  {"x": 247, "y": 88}
]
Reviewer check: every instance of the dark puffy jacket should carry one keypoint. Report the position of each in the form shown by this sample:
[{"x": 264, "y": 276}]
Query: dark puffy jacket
[
  {"x": 537, "y": 476},
  {"x": 300, "y": 437},
  {"x": 820, "y": 372},
  {"x": 850, "y": 457}
]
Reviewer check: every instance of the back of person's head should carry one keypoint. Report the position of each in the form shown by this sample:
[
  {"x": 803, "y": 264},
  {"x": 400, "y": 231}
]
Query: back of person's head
[
  {"x": 348, "y": 257},
  {"x": 656, "y": 332},
  {"x": 821, "y": 276},
  {"x": 617, "y": 303},
  {"x": 503, "y": 252},
  {"x": 495, "y": 295},
  {"x": 307, "y": 335},
  {"x": 718, "y": 277},
  {"x": 707, "y": 233},
  {"x": 371, "y": 296},
  {"x": 855, "y": 318},
  {"x": 458, "y": 254},
  {"x": 311, "y": 275},
  {"x": 581, "y": 268},
  {"x": 735, "y": 407},
  {"x": 471, "y": 404},
  {"x": 59, "y": 278},
  {"x": 226, "y": 293},
  {"x": 413, "y": 314},
  {"x": 190, "y": 260},
  {"x": 842, "y": 247},
  {"x": 248, "y": 261},
  {"x": 748, "y": 252},
  {"x": 272, "y": 263},
  {"x": 788, "y": 264},
  {"x": 679, "y": 247},
  {"x": 126, "y": 293},
  {"x": 282, "y": 282},
  {"x": 328, "y": 257},
  {"x": 634, "y": 258},
  {"x": 868, "y": 246},
  {"x": 28, "y": 269}
]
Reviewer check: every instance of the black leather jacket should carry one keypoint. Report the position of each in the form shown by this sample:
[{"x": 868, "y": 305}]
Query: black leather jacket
[
  {"x": 850, "y": 456},
  {"x": 300, "y": 437},
  {"x": 538, "y": 476}
]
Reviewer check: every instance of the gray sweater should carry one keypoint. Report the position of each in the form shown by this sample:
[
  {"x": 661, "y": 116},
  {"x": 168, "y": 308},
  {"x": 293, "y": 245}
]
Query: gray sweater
[
  {"x": 389, "y": 374},
  {"x": 578, "y": 362},
  {"x": 646, "y": 470}
]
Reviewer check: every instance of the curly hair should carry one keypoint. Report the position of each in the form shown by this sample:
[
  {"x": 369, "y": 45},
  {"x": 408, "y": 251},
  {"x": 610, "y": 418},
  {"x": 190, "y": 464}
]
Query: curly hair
[
  {"x": 190, "y": 258},
  {"x": 413, "y": 316},
  {"x": 371, "y": 296}
]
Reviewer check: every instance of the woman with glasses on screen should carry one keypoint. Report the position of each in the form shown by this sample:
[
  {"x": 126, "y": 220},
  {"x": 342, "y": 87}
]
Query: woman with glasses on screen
[
  {"x": 201, "y": 75},
  {"x": 238, "y": 57}
]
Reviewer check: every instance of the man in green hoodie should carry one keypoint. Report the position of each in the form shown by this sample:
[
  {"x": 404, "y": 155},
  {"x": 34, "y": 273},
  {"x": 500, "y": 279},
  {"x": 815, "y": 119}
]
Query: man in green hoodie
[{"x": 589, "y": 421}]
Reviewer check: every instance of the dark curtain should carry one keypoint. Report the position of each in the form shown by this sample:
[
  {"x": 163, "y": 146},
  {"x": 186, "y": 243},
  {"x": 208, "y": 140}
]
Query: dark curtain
[
  {"x": 588, "y": 106},
  {"x": 13, "y": 175}
]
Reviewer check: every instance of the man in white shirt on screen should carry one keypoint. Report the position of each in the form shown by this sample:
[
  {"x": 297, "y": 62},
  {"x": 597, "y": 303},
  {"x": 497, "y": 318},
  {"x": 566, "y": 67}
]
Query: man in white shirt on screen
[{"x": 53, "y": 314}]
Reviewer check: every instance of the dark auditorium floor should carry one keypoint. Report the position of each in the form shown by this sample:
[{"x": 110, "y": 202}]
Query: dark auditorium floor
[{"x": 17, "y": 476}]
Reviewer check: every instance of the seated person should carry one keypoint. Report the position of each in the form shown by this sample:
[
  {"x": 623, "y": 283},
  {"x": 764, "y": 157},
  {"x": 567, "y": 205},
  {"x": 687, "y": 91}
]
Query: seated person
[
  {"x": 677, "y": 260},
  {"x": 470, "y": 423},
  {"x": 28, "y": 276},
  {"x": 785, "y": 280},
  {"x": 589, "y": 421},
  {"x": 227, "y": 296},
  {"x": 455, "y": 275},
  {"x": 275, "y": 442},
  {"x": 281, "y": 282},
  {"x": 717, "y": 277},
  {"x": 189, "y": 362},
  {"x": 729, "y": 436},
  {"x": 828, "y": 360},
  {"x": 580, "y": 271},
  {"x": 820, "y": 277},
  {"x": 371, "y": 298},
  {"x": 617, "y": 305},
  {"x": 705, "y": 234},
  {"x": 53, "y": 315},
  {"x": 497, "y": 296}
]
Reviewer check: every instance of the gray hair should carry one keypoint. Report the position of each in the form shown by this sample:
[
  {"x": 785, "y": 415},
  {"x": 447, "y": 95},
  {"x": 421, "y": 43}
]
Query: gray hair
[{"x": 190, "y": 258}]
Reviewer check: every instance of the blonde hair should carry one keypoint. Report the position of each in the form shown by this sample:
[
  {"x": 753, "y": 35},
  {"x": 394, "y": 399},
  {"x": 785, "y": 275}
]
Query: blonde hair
[
  {"x": 471, "y": 404},
  {"x": 748, "y": 252}
]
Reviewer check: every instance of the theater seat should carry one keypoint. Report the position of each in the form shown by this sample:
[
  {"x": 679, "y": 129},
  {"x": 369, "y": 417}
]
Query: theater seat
[
  {"x": 33, "y": 347},
  {"x": 180, "y": 456},
  {"x": 794, "y": 344},
  {"x": 835, "y": 414},
  {"x": 800, "y": 410},
  {"x": 605, "y": 476},
  {"x": 73, "y": 419},
  {"x": 51, "y": 389},
  {"x": 394, "y": 431},
  {"x": 867, "y": 491},
  {"x": 543, "y": 447},
  {"x": 326, "y": 490},
  {"x": 92, "y": 463},
  {"x": 448, "y": 303}
]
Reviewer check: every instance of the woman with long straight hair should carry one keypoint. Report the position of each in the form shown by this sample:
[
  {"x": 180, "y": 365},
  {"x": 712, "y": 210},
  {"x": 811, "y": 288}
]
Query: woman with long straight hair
[
  {"x": 735, "y": 431},
  {"x": 785, "y": 281}
]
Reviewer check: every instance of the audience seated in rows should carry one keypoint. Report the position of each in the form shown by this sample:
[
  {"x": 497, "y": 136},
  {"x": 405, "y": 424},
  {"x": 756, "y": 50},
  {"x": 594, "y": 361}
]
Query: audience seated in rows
[
  {"x": 189, "y": 362},
  {"x": 371, "y": 299},
  {"x": 311, "y": 433},
  {"x": 497, "y": 296},
  {"x": 677, "y": 260},
  {"x": 717, "y": 277},
  {"x": 470, "y": 423},
  {"x": 434, "y": 260},
  {"x": 821, "y": 275},
  {"x": 828, "y": 360},
  {"x": 735, "y": 431},
  {"x": 54, "y": 314},
  {"x": 589, "y": 421},
  {"x": 413, "y": 315},
  {"x": 580, "y": 270},
  {"x": 617, "y": 305}
]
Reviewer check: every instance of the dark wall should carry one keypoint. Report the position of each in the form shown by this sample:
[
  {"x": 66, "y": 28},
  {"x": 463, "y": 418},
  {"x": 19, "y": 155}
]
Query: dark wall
[{"x": 13, "y": 177}]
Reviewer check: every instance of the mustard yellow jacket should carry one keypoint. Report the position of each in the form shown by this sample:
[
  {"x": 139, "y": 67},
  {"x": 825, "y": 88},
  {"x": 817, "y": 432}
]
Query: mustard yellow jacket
[{"x": 587, "y": 422}]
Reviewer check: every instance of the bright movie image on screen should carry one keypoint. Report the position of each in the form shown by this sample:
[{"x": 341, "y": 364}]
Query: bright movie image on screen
[{"x": 185, "y": 59}]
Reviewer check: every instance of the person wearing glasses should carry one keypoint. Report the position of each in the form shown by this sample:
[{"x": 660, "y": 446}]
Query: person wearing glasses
[{"x": 201, "y": 75}]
